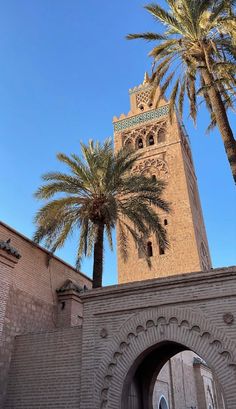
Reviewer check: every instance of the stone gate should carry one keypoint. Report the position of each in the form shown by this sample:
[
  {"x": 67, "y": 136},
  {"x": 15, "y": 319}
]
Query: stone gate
[
  {"x": 130, "y": 331},
  {"x": 64, "y": 345}
]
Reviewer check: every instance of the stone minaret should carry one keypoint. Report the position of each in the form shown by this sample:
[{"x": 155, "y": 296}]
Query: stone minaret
[{"x": 166, "y": 155}]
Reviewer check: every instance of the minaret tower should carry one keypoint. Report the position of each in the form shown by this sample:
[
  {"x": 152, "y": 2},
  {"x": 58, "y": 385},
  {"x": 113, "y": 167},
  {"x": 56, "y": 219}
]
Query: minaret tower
[{"x": 166, "y": 155}]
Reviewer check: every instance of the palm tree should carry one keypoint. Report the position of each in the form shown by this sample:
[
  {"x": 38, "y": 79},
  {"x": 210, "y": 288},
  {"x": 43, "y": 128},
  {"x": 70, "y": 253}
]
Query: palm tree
[
  {"x": 196, "y": 55},
  {"x": 98, "y": 193}
]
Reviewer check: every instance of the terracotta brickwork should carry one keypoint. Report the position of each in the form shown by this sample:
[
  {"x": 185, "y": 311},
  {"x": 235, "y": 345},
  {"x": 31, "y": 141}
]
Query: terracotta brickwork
[
  {"x": 28, "y": 293},
  {"x": 89, "y": 366},
  {"x": 122, "y": 323},
  {"x": 185, "y": 381},
  {"x": 166, "y": 154},
  {"x": 45, "y": 371},
  {"x": 38, "y": 273}
]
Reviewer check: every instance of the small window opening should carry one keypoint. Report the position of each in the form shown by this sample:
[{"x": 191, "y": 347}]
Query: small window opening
[
  {"x": 150, "y": 104},
  {"x": 151, "y": 140},
  {"x": 149, "y": 249},
  {"x": 165, "y": 222},
  {"x": 140, "y": 143},
  {"x": 141, "y": 107},
  {"x": 154, "y": 178}
]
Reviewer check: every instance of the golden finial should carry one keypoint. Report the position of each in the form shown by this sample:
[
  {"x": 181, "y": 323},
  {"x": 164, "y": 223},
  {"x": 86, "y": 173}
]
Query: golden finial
[{"x": 146, "y": 78}]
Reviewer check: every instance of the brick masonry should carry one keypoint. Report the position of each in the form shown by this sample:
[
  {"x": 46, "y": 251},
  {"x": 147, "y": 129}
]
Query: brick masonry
[
  {"x": 28, "y": 293},
  {"x": 45, "y": 370},
  {"x": 80, "y": 350},
  {"x": 122, "y": 322},
  {"x": 168, "y": 159}
]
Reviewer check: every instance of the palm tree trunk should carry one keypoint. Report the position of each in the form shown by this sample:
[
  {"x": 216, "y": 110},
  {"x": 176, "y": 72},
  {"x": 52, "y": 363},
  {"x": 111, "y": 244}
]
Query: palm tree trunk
[
  {"x": 98, "y": 256},
  {"x": 221, "y": 120}
]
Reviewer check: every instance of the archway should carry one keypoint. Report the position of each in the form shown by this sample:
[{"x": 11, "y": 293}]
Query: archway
[
  {"x": 143, "y": 374},
  {"x": 163, "y": 403},
  {"x": 145, "y": 388},
  {"x": 147, "y": 340}
]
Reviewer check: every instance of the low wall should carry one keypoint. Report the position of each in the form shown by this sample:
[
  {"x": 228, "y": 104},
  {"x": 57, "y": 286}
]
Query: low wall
[{"x": 45, "y": 371}]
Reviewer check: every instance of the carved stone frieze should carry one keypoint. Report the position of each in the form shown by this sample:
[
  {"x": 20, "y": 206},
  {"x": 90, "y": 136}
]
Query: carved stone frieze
[
  {"x": 103, "y": 333},
  {"x": 228, "y": 318},
  {"x": 144, "y": 132},
  {"x": 157, "y": 165}
]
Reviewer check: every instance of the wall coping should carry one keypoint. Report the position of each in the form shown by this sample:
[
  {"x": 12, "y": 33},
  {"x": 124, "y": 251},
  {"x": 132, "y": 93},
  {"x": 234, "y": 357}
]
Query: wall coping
[
  {"x": 199, "y": 277},
  {"x": 43, "y": 249}
]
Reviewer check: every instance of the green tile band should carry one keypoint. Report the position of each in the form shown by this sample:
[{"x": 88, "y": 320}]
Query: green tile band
[{"x": 141, "y": 118}]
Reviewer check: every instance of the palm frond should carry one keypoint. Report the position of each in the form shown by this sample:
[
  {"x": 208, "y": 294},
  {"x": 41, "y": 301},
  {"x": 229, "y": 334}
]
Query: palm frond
[
  {"x": 148, "y": 36},
  {"x": 164, "y": 86},
  {"x": 97, "y": 190},
  {"x": 181, "y": 97},
  {"x": 162, "y": 15},
  {"x": 191, "y": 92},
  {"x": 172, "y": 100}
]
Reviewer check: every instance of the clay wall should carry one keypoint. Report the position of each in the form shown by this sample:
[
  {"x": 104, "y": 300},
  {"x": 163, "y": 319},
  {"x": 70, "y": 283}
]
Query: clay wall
[
  {"x": 45, "y": 371},
  {"x": 28, "y": 301},
  {"x": 121, "y": 322}
]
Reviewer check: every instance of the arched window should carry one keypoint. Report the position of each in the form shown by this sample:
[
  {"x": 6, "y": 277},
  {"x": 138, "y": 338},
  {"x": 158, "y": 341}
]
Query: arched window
[
  {"x": 161, "y": 135},
  {"x": 165, "y": 222},
  {"x": 154, "y": 178},
  {"x": 150, "y": 139},
  {"x": 149, "y": 249},
  {"x": 140, "y": 143},
  {"x": 128, "y": 143},
  {"x": 163, "y": 403}
]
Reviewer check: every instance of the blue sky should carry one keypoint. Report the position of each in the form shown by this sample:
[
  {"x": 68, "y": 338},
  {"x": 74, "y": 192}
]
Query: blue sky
[{"x": 65, "y": 72}]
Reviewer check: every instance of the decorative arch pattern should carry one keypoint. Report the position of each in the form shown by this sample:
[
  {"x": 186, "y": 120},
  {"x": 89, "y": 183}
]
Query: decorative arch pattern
[
  {"x": 150, "y": 327},
  {"x": 153, "y": 130},
  {"x": 152, "y": 166}
]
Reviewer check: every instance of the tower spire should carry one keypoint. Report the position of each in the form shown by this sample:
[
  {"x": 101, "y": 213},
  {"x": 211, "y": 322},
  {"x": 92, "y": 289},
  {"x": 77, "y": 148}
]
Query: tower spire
[{"x": 146, "y": 79}]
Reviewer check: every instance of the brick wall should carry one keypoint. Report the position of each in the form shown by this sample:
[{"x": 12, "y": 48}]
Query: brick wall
[
  {"x": 37, "y": 273},
  {"x": 45, "y": 371},
  {"x": 169, "y": 159},
  {"x": 121, "y": 323},
  {"x": 28, "y": 294}
]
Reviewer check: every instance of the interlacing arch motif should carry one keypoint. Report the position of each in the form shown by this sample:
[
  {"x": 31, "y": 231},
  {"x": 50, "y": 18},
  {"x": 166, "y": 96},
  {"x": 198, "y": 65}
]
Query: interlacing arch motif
[
  {"x": 144, "y": 97},
  {"x": 155, "y": 325},
  {"x": 158, "y": 165},
  {"x": 144, "y": 133}
]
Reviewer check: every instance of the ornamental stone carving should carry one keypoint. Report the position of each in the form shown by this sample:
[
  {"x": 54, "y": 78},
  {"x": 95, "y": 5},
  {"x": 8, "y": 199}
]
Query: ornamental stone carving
[
  {"x": 228, "y": 318},
  {"x": 151, "y": 327},
  {"x": 153, "y": 164},
  {"x": 103, "y": 333},
  {"x": 143, "y": 132}
]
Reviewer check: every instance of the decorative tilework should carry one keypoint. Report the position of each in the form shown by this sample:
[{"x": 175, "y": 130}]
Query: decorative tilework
[{"x": 141, "y": 118}]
